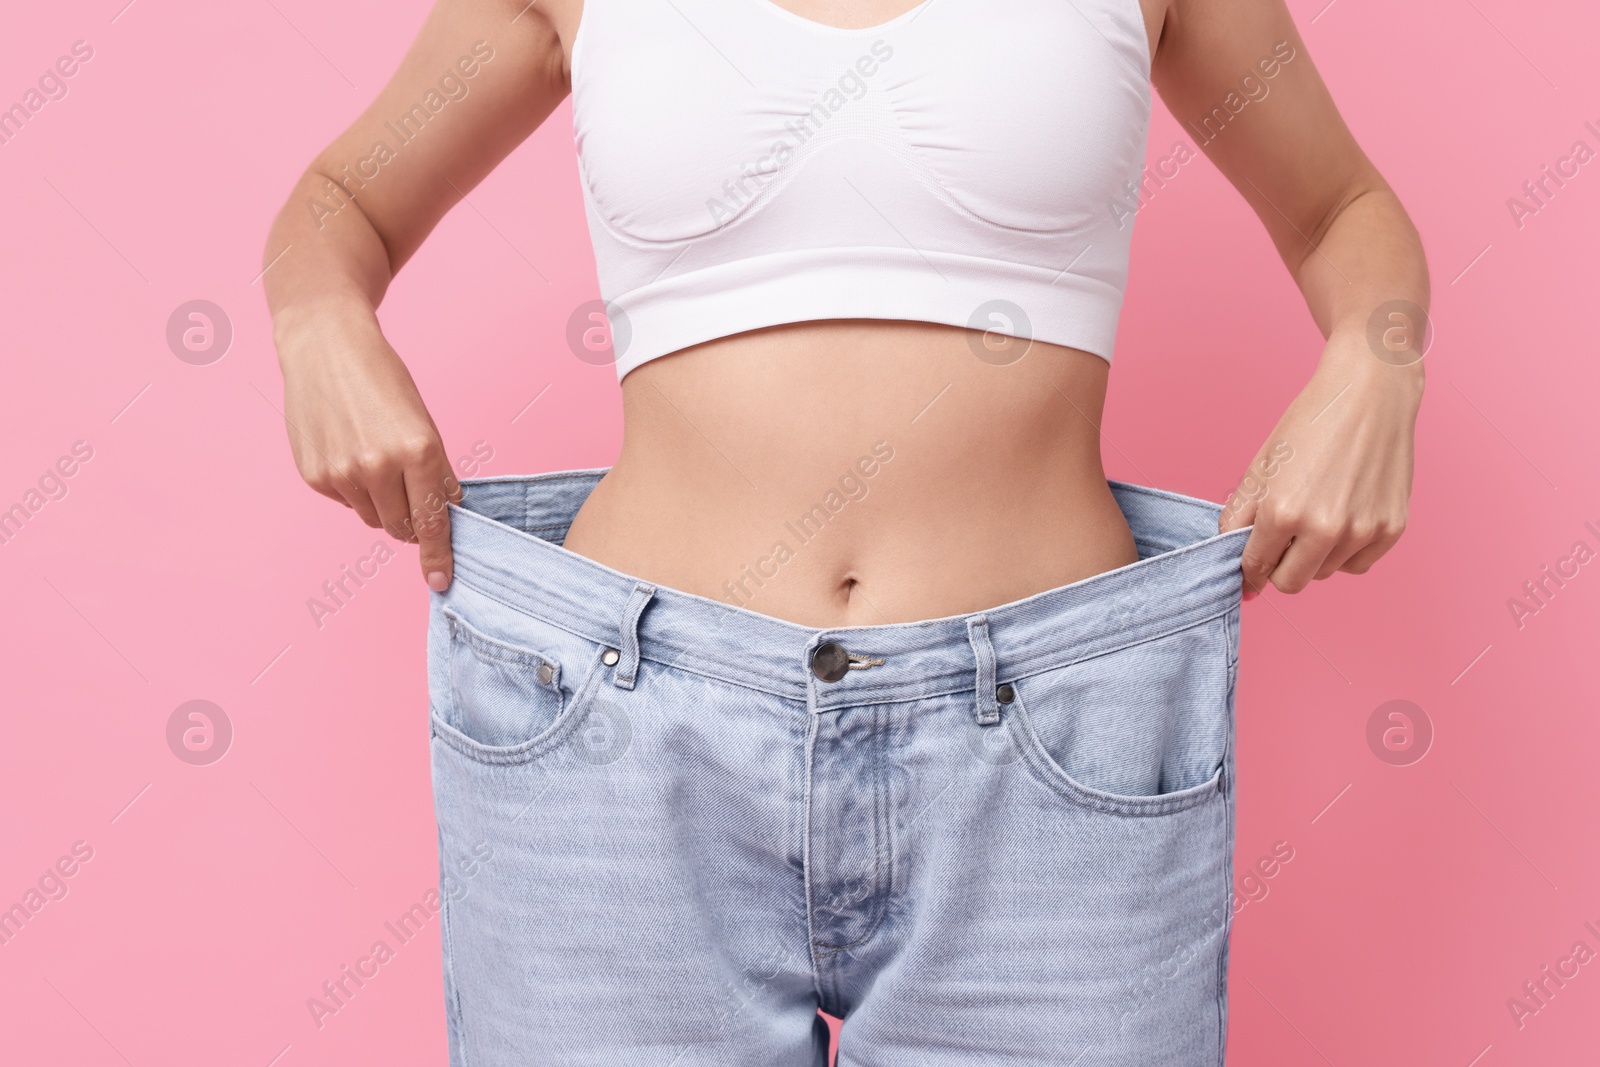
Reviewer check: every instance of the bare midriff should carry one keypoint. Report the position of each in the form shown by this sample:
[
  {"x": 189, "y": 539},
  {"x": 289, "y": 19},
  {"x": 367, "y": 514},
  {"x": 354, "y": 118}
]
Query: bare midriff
[{"x": 853, "y": 473}]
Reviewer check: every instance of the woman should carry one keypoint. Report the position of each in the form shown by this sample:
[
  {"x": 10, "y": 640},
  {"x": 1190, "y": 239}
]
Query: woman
[{"x": 854, "y": 684}]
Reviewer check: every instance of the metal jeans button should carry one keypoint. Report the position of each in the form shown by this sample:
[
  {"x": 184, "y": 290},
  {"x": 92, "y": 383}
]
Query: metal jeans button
[{"x": 830, "y": 661}]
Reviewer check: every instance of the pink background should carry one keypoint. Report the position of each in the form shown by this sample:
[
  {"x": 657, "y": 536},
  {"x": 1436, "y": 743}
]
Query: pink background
[{"x": 179, "y": 563}]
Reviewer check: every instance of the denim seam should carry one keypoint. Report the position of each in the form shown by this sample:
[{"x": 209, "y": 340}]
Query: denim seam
[
  {"x": 1230, "y": 799},
  {"x": 464, "y": 577},
  {"x": 901, "y": 694},
  {"x": 1160, "y": 636},
  {"x": 1178, "y": 624},
  {"x": 1164, "y": 494},
  {"x": 1233, "y": 637},
  {"x": 813, "y": 724},
  {"x": 446, "y": 933},
  {"x": 867, "y": 692},
  {"x": 793, "y": 695},
  {"x": 882, "y": 846}
]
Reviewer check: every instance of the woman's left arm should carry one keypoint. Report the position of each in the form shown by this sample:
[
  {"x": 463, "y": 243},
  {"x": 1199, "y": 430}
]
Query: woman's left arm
[{"x": 1328, "y": 490}]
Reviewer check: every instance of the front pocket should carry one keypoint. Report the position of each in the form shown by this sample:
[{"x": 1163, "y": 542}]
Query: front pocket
[
  {"x": 1140, "y": 730},
  {"x": 500, "y": 694}
]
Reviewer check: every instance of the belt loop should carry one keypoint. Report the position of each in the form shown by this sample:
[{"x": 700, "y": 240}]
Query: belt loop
[
  {"x": 983, "y": 651},
  {"x": 628, "y": 661}
]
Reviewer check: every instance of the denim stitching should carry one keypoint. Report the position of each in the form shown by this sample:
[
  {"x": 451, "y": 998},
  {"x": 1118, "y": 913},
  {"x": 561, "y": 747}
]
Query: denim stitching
[
  {"x": 499, "y": 651},
  {"x": 1229, "y": 831},
  {"x": 813, "y": 724},
  {"x": 1055, "y": 778},
  {"x": 883, "y": 847},
  {"x": 449, "y": 965},
  {"x": 1161, "y": 636},
  {"x": 567, "y": 721},
  {"x": 788, "y": 695},
  {"x": 868, "y": 692}
]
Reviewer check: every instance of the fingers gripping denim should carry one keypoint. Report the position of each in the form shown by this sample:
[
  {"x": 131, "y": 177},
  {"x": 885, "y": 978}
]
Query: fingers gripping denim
[{"x": 1000, "y": 838}]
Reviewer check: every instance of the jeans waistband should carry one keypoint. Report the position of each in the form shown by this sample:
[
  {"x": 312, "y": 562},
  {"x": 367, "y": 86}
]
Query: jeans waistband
[{"x": 507, "y": 536}]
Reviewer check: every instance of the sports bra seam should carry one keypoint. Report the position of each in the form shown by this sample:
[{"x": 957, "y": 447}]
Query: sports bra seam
[
  {"x": 934, "y": 184},
  {"x": 951, "y": 259}
]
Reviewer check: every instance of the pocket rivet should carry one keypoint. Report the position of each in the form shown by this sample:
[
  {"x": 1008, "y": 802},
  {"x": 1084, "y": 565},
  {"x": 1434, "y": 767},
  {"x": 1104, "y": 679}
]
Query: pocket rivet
[
  {"x": 610, "y": 657},
  {"x": 1005, "y": 694},
  {"x": 546, "y": 673}
]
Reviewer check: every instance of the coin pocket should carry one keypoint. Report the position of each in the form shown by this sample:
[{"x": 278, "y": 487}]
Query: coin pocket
[{"x": 501, "y": 694}]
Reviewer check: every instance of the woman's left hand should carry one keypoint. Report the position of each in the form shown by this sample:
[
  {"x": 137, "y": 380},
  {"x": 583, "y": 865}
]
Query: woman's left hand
[{"x": 1328, "y": 491}]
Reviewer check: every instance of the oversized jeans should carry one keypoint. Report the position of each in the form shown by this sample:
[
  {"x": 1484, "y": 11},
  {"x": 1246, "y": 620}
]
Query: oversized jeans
[{"x": 672, "y": 829}]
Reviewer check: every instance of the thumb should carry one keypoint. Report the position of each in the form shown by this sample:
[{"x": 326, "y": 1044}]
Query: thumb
[
  {"x": 1239, "y": 512},
  {"x": 430, "y": 492}
]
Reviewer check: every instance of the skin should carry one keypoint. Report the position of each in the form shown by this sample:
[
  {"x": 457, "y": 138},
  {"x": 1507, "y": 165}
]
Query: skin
[{"x": 995, "y": 490}]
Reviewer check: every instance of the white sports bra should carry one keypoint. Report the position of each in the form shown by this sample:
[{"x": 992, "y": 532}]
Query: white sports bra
[{"x": 970, "y": 162}]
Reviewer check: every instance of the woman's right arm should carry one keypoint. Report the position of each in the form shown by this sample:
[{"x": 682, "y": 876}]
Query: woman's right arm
[{"x": 480, "y": 76}]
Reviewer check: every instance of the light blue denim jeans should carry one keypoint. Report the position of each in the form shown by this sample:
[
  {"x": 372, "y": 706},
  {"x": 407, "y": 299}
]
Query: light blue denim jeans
[{"x": 667, "y": 837}]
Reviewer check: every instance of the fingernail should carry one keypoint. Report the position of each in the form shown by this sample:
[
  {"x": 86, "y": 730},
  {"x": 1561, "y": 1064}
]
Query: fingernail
[{"x": 438, "y": 581}]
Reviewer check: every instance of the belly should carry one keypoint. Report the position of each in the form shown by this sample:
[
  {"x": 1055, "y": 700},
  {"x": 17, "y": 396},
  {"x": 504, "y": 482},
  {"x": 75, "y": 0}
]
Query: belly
[{"x": 852, "y": 473}]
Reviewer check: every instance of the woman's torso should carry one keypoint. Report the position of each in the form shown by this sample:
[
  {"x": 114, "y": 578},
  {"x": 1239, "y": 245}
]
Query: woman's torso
[{"x": 855, "y": 472}]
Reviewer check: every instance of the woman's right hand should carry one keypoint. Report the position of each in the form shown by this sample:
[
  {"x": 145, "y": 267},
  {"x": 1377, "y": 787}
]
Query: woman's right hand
[{"x": 360, "y": 432}]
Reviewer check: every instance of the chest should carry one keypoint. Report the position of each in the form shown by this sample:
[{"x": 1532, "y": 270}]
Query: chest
[{"x": 1018, "y": 112}]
